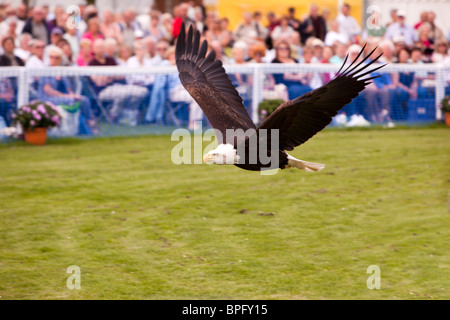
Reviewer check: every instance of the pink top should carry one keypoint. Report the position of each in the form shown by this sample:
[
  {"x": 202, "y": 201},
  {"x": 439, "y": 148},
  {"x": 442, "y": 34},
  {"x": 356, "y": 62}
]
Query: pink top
[
  {"x": 88, "y": 35},
  {"x": 81, "y": 62}
]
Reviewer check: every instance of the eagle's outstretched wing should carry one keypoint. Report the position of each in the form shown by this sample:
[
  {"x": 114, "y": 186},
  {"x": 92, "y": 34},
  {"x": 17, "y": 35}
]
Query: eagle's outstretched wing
[
  {"x": 300, "y": 119},
  {"x": 205, "y": 79}
]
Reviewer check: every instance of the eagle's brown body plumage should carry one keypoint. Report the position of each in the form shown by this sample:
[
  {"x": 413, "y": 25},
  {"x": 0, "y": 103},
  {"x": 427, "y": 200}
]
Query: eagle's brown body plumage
[{"x": 297, "y": 120}]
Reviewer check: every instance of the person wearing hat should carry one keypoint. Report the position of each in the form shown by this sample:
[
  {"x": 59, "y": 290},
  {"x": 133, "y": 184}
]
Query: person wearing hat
[
  {"x": 55, "y": 35},
  {"x": 380, "y": 93},
  {"x": 357, "y": 105},
  {"x": 318, "y": 46},
  {"x": 401, "y": 28}
]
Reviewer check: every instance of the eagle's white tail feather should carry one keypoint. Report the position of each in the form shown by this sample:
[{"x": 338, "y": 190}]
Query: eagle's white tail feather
[{"x": 304, "y": 165}]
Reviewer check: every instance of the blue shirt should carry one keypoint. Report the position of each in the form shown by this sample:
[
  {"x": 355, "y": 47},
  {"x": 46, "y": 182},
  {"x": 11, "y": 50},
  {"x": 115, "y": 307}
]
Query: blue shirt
[
  {"x": 384, "y": 79},
  {"x": 408, "y": 32},
  {"x": 63, "y": 85}
]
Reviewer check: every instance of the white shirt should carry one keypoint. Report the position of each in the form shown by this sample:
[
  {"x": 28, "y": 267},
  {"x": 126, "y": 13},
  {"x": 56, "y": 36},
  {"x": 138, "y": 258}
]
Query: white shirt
[
  {"x": 333, "y": 36},
  {"x": 144, "y": 21},
  {"x": 46, "y": 54},
  {"x": 4, "y": 26},
  {"x": 348, "y": 25},
  {"x": 140, "y": 79},
  {"x": 81, "y": 26},
  {"x": 74, "y": 45},
  {"x": 278, "y": 32},
  {"x": 446, "y": 62},
  {"x": 270, "y": 55},
  {"x": 407, "y": 31},
  {"x": 34, "y": 62},
  {"x": 22, "y": 54}
]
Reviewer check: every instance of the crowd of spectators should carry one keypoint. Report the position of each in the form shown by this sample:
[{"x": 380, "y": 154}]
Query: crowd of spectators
[{"x": 40, "y": 37}]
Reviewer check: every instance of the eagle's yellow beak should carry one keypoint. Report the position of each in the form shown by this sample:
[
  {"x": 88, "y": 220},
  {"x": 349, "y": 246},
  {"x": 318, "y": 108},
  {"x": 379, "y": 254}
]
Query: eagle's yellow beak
[{"x": 208, "y": 158}]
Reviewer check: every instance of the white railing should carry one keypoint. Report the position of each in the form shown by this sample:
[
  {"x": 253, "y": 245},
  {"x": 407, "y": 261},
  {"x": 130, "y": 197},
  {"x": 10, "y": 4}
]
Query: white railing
[{"x": 255, "y": 70}]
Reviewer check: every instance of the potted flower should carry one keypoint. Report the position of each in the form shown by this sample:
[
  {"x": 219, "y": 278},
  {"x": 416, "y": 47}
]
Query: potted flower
[
  {"x": 445, "y": 103},
  {"x": 35, "y": 118}
]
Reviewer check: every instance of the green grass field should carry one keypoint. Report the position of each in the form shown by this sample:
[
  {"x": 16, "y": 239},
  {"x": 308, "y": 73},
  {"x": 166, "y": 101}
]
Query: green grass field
[{"x": 140, "y": 227}]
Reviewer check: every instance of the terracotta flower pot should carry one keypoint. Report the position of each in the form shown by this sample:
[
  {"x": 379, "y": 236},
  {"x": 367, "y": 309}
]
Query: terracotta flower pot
[
  {"x": 447, "y": 119},
  {"x": 37, "y": 136}
]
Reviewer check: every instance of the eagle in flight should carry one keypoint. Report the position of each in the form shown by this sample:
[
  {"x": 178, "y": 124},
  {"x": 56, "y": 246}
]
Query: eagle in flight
[{"x": 295, "y": 121}]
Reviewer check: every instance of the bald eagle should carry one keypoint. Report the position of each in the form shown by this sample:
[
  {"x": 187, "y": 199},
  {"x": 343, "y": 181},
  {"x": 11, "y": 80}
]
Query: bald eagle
[{"x": 296, "y": 121}]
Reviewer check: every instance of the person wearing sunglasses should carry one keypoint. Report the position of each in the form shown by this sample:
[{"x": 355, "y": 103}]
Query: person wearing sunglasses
[
  {"x": 297, "y": 83},
  {"x": 36, "y": 60}
]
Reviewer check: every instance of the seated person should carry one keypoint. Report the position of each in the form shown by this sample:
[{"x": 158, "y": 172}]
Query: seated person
[
  {"x": 422, "y": 77},
  {"x": 85, "y": 53},
  {"x": 112, "y": 88},
  {"x": 314, "y": 79},
  {"x": 137, "y": 61},
  {"x": 446, "y": 62},
  {"x": 239, "y": 80},
  {"x": 297, "y": 83},
  {"x": 177, "y": 93},
  {"x": 377, "y": 94},
  {"x": 58, "y": 90},
  {"x": 283, "y": 31},
  {"x": 271, "y": 91},
  {"x": 140, "y": 60},
  {"x": 6, "y": 100},
  {"x": 405, "y": 87},
  {"x": 8, "y": 58}
]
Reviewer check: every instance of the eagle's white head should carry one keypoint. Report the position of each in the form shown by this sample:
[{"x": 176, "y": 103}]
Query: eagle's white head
[{"x": 223, "y": 154}]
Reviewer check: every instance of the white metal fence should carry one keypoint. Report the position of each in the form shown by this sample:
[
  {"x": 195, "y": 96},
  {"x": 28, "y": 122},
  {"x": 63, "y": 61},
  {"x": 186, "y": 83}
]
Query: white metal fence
[{"x": 435, "y": 74}]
